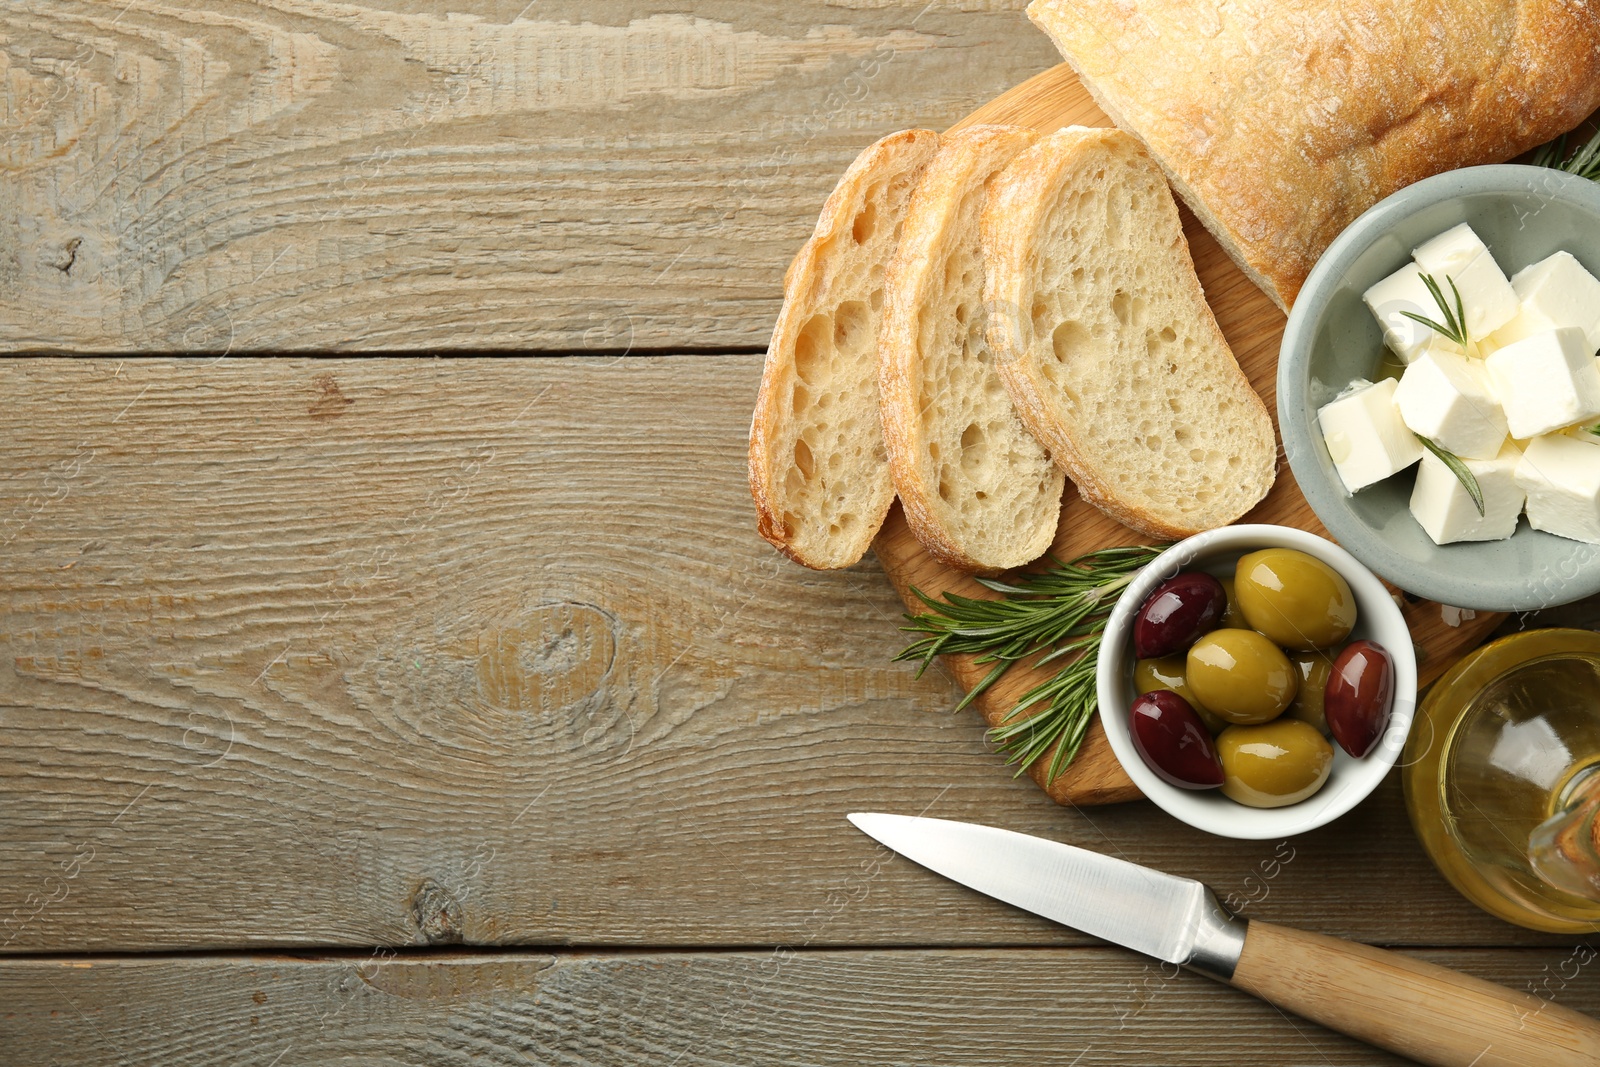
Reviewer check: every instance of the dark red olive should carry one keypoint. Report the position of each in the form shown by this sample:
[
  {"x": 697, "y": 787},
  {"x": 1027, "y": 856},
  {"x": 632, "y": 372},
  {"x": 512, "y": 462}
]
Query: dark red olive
[
  {"x": 1359, "y": 696},
  {"x": 1174, "y": 742},
  {"x": 1173, "y": 617}
]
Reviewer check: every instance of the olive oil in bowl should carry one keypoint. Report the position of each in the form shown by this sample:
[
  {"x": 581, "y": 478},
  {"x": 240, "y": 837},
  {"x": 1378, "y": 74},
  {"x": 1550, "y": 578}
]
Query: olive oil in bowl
[{"x": 1502, "y": 778}]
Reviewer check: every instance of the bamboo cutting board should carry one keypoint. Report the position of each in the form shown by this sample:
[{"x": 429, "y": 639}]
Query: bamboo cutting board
[{"x": 1253, "y": 326}]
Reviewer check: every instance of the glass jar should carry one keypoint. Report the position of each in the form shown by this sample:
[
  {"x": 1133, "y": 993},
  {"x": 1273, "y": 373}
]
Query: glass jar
[{"x": 1502, "y": 778}]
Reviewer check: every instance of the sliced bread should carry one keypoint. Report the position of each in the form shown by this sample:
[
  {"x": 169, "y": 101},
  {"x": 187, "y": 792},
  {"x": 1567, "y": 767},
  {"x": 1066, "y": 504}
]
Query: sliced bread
[
  {"x": 978, "y": 489},
  {"x": 818, "y": 470},
  {"x": 1103, "y": 337}
]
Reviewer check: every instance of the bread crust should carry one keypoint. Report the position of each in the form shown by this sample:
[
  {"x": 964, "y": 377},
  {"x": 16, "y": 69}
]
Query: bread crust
[
  {"x": 810, "y": 284},
  {"x": 1021, "y": 199},
  {"x": 1280, "y": 121},
  {"x": 965, "y": 162}
]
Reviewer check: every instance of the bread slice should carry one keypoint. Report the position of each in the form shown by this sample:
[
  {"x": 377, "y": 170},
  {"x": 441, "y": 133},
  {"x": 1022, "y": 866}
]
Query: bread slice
[
  {"x": 1280, "y": 121},
  {"x": 818, "y": 470},
  {"x": 978, "y": 489},
  {"x": 1105, "y": 341}
]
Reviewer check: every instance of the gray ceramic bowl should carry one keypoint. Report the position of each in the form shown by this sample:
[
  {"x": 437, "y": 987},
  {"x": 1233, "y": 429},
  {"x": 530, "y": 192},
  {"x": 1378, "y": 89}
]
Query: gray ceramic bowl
[{"x": 1523, "y": 214}]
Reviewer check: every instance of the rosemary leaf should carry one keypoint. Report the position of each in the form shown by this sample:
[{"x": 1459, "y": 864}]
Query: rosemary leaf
[
  {"x": 1454, "y": 326},
  {"x": 1585, "y": 162},
  {"x": 1468, "y": 480},
  {"x": 1550, "y": 154},
  {"x": 1052, "y": 618}
]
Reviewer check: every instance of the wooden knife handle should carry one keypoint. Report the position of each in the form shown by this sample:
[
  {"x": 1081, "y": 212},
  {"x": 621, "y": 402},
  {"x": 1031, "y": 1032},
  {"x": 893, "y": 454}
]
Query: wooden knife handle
[{"x": 1432, "y": 1014}]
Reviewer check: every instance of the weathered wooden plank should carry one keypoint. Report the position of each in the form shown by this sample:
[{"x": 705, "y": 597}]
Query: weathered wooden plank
[
  {"x": 319, "y": 175},
  {"x": 384, "y": 652},
  {"x": 1084, "y": 1006}
]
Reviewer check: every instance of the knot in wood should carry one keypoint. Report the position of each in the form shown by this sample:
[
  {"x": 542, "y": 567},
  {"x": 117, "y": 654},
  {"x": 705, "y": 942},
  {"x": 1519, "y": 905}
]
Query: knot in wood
[
  {"x": 330, "y": 401},
  {"x": 437, "y": 913},
  {"x": 67, "y": 257},
  {"x": 553, "y": 658}
]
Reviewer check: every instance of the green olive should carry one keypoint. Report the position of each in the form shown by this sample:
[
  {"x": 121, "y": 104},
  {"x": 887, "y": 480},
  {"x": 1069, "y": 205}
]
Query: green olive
[
  {"x": 1313, "y": 669},
  {"x": 1240, "y": 675},
  {"x": 1232, "y": 618},
  {"x": 1295, "y": 599},
  {"x": 1274, "y": 764},
  {"x": 1167, "y": 673}
]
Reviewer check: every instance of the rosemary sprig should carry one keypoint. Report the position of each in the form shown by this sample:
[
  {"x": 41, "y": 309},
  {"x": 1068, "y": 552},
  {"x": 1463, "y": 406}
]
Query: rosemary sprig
[
  {"x": 1455, "y": 328},
  {"x": 1056, "y": 615},
  {"x": 1468, "y": 480},
  {"x": 1585, "y": 162},
  {"x": 1455, "y": 319}
]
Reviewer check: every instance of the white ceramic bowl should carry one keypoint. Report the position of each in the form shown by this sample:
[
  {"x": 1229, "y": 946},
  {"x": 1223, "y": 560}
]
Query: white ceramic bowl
[{"x": 1378, "y": 619}]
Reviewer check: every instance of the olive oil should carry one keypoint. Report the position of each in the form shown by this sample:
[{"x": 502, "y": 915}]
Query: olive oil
[
  {"x": 1502, "y": 778},
  {"x": 1389, "y": 366}
]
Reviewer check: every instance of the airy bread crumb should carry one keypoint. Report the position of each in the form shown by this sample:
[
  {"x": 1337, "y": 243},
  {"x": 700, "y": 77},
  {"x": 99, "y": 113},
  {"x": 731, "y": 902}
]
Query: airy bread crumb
[
  {"x": 1103, "y": 337},
  {"x": 978, "y": 489},
  {"x": 818, "y": 469}
]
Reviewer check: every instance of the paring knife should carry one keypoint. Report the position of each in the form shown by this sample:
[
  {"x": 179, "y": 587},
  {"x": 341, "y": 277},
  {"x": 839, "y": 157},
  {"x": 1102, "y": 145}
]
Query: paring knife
[{"x": 1429, "y": 1013}]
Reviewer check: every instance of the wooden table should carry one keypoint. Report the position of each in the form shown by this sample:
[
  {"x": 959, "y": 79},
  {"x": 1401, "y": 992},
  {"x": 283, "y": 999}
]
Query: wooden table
[{"x": 410, "y": 707}]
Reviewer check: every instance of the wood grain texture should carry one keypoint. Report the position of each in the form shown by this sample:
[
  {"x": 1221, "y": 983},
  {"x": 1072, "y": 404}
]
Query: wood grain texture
[
  {"x": 1090, "y": 1007},
  {"x": 320, "y": 175},
  {"x": 402, "y": 652},
  {"x": 1253, "y": 326},
  {"x": 1428, "y": 1013}
]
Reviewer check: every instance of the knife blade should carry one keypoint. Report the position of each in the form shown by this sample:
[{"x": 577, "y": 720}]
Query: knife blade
[
  {"x": 1173, "y": 919},
  {"x": 1432, "y": 1014}
]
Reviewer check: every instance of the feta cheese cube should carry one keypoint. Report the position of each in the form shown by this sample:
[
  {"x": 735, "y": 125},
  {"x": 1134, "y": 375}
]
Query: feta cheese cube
[
  {"x": 1546, "y": 381},
  {"x": 1440, "y": 343},
  {"x": 1447, "y": 399},
  {"x": 1366, "y": 438},
  {"x": 1445, "y": 509},
  {"x": 1561, "y": 476},
  {"x": 1588, "y": 433},
  {"x": 1389, "y": 301},
  {"x": 1486, "y": 297},
  {"x": 1554, "y": 292}
]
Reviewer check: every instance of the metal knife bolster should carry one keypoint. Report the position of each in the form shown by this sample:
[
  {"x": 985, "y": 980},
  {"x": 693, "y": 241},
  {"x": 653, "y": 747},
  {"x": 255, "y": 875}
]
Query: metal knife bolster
[{"x": 1218, "y": 939}]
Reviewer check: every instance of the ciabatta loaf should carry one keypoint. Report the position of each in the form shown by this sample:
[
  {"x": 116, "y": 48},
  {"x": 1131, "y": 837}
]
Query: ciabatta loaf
[
  {"x": 818, "y": 470},
  {"x": 978, "y": 489},
  {"x": 1105, "y": 341},
  {"x": 1280, "y": 121}
]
